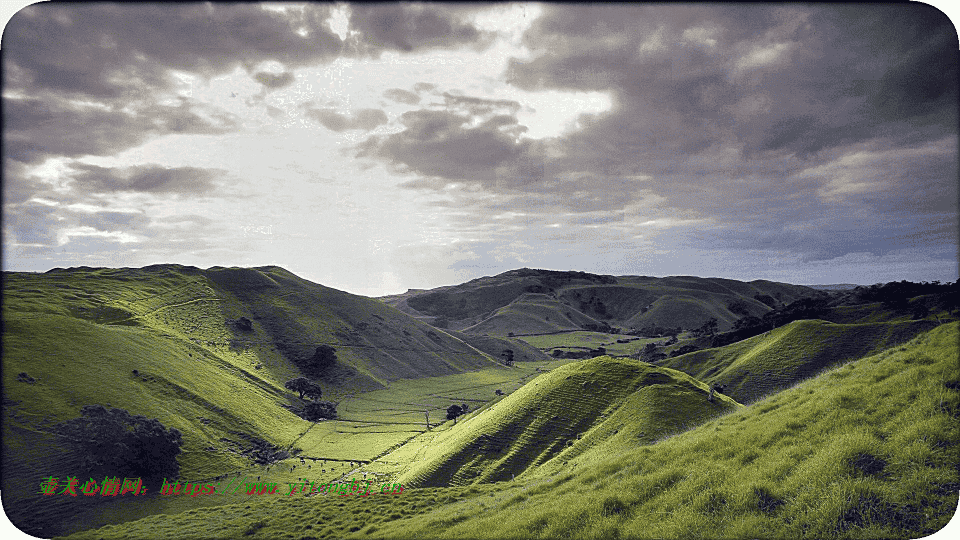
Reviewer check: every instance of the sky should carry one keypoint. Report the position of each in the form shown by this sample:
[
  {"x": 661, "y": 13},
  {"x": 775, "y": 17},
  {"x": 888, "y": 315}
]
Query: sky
[{"x": 375, "y": 148}]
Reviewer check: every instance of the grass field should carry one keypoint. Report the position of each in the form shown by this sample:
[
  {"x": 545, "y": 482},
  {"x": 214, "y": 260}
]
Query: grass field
[
  {"x": 161, "y": 342},
  {"x": 867, "y": 449}
]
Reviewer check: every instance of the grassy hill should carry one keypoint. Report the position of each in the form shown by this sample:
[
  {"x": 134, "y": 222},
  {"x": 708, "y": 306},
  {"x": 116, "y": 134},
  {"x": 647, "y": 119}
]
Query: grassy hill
[
  {"x": 529, "y": 301},
  {"x": 864, "y": 450},
  {"x": 167, "y": 342},
  {"x": 560, "y": 415},
  {"x": 778, "y": 359},
  {"x": 494, "y": 346}
]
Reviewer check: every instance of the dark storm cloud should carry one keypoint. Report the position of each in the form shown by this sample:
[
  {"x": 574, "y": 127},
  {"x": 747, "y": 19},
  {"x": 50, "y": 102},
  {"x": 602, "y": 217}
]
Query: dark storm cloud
[
  {"x": 145, "y": 178},
  {"x": 363, "y": 119},
  {"x": 32, "y": 223},
  {"x": 274, "y": 81},
  {"x": 742, "y": 119},
  {"x": 479, "y": 106},
  {"x": 407, "y": 27},
  {"x": 107, "y": 51},
  {"x": 732, "y": 110},
  {"x": 35, "y": 128},
  {"x": 120, "y": 57},
  {"x": 442, "y": 145},
  {"x": 401, "y": 96}
]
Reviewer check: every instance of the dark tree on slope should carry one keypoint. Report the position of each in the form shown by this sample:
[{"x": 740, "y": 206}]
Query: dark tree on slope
[
  {"x": 453, "y": 412},
  {"x": 507, "y": 357},
  {"x": 738, "y": 307},
  {"x": 304, "y": 386},
  {"x": 709, "y": 328},
  {"x": 316, "y": 410},
  {"x": 117, "y": 443},
  {"x": 324, "y": 358},
  {"x": 244, "y": 324}
]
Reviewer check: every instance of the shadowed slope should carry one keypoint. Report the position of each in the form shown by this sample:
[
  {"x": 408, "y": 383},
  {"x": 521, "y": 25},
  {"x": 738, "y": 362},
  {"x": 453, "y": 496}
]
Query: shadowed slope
[{"x": 537, "y": 301}]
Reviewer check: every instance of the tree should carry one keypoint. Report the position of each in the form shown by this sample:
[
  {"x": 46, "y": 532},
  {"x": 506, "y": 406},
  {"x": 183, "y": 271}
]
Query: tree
[
  {"x": 747, "y": 322},
  {"x": 507, "y": 357},
  {"x": 709, "y": 328},
  {"x": 738, "y": 307},
  {"x": 464, "y": 408},
  {"x": 323, "y": 359},
  {"x": 316, "y": 410},
  {"x": 304, "y": 386},
  {"x": 113, "y": 441},
  {"x": 649, "y": 348},
  {"x": 244, "y": 324},
  {"x": 766, "y": 299},
  {"x": 453, "y": 412}
]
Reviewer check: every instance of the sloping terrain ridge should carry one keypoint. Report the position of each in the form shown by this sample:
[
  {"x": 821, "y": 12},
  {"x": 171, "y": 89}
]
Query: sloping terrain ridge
[
  {"x": 864, "y": 450},
  {"x": 780, "y": 358},
  {"x": 539, "y": 301},
  {"x": 560, "y": 414},
  {"x": 168, "y": 342}
]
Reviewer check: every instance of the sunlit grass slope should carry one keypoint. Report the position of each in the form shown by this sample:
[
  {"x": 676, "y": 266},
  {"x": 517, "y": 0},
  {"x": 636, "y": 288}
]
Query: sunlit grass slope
[
  {"x": 865, "y": 450},
  {"x": 778, "y": 359},
  {"x": 561, "y": 414},
  {"x": 162, "y": 342}
]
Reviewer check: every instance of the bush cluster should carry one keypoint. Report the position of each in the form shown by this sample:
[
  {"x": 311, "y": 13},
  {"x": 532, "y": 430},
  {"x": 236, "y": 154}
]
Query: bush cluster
[{"x": 114, "y": 442}]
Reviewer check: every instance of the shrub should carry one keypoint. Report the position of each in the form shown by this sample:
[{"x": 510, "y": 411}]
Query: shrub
[
  {"x": 115, "y": 442},
  {"x": 244, "y": 324},
  {"x": 304, "y": 386},
  {"x": 317, "y": 410},
  {"x": 324, "y": 358}
]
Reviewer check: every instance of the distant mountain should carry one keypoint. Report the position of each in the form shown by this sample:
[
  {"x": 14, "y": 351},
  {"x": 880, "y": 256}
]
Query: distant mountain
[
  {"x": 835, "y": 287},
  {"x": 541, "y": 301}
]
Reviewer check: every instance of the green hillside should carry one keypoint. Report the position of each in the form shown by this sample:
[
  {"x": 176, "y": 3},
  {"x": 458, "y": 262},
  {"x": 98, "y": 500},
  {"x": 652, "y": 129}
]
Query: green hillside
[
  {"x": 864, "y": 450},
  {"x": 494, "y": 346},
  {"x": 778, "y": 359},
  {"x": 168, "y": 342},
  {"x": 560, "y": 415}
]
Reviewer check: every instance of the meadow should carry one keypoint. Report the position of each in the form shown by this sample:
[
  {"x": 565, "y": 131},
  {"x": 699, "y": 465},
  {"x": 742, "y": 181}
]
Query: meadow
[
  {"x": 864, "y": 450},
  {"x": 840, "y": 427}
]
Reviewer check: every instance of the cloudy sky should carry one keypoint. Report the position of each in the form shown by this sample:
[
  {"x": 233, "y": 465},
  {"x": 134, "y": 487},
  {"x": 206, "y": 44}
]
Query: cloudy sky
[{"x": 375, "y": 148}]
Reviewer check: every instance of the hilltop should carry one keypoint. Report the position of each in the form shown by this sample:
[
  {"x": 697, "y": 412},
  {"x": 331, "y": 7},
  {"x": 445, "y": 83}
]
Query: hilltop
[
  {"x": 529, "y": 301},
  {"x": 562, "y": 414}
]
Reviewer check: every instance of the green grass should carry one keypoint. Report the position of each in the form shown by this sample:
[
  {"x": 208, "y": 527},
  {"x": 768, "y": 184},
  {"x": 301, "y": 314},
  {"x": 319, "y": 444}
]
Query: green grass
[
  {"x": 560, "y": 415},
  {"x": 778, "y": 359},
  {"x": 81, "y": 333},
  {"x": 864, "y": 450}
]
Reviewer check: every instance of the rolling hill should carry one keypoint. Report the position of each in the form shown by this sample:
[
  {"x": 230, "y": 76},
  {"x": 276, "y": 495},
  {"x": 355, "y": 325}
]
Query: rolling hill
[
  {"x": 863, "y": 450},
  {"x": 204, "y": 351},
  {"x": 780, "y": 358},
  {"x": 562, "y": 414},
  {"x": 528, "y": 301}
]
